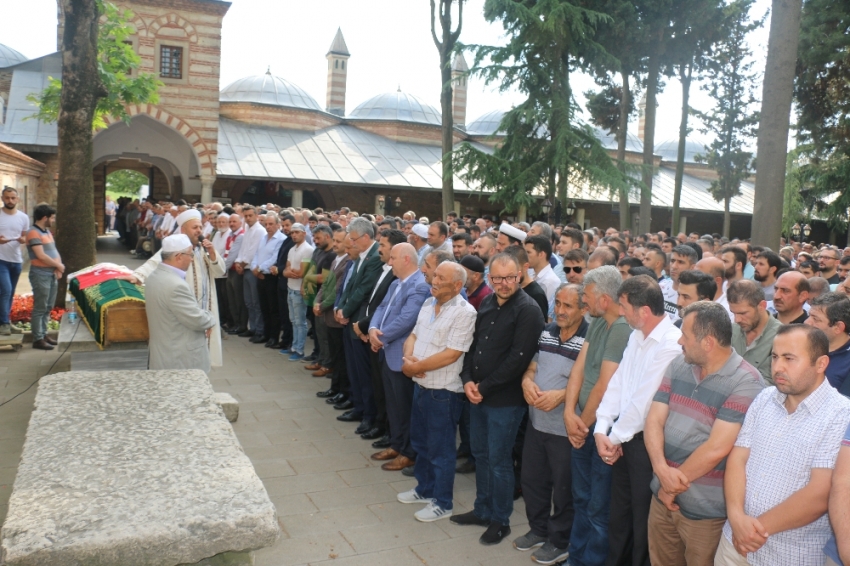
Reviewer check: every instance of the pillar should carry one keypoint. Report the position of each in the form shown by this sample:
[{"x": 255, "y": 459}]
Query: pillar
[
  {"x": 522, "y": 214},
  {"x": 580, "y": 217},
  {"x": 297, "y": 198},
  {"x": 683, "y": 225},
  {"x": 206, "y": 188}
]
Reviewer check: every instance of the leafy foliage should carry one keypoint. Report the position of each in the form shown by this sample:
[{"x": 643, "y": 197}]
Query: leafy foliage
[
  {"x": 604, "y": 107},
  {"x": 116, "y": 67},
  {"x": 125, "y": 183}
]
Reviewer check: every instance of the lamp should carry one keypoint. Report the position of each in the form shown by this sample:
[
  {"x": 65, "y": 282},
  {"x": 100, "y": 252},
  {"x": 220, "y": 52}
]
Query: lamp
[
  {"x": 807, "y": 230},
  {"x": 795, "y": 230},
  {"x": 546, "y": 205},
  {"x": 388, "y": 204},
  {"x": 571, "y": 208}
]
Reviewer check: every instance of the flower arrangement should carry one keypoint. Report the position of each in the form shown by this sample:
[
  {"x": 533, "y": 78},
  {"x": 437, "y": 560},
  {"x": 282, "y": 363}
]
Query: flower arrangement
[{"x": 21, "y": 313}]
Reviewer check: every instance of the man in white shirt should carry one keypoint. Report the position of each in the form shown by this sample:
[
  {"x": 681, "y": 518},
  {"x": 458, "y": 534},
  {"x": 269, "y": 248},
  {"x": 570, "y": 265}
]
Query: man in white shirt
[
  {"x": 539, "y": 249},
  {"x": 294, "y": 272},
  {"x": 254, "y": 234},
  {"x": 622, "y": 413},
  {"x": 14, "y": 225}
]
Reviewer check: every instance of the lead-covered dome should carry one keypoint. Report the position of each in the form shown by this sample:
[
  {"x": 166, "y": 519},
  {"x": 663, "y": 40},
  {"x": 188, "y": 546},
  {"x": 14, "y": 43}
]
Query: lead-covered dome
[
  {"x": 397, "y": 106},
  {"x": 268, "y": 89},
  {"x": 9, "y": 56},
  {"x": 486, "y": 124},
  {"x": 669, "y": 150}
]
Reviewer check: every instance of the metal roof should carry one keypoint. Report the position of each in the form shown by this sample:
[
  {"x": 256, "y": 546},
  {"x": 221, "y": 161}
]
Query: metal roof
[
  {"x": 338, "y": 154},
  {"x": 338, "y": 45},
  {"x": 397, "y": 106},
  {"x": 268, "y": 89},
  {"x": 459, "y": 63},
  {"x": 30, "y": 77},
  {"x": 669, "y": 150},
  {"x": 486, "y": 124},
  {"x": 9, "y": 56}
]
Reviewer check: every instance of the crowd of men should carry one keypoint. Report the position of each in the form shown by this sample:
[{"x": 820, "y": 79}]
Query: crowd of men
[{"x": 655, "y": 400}]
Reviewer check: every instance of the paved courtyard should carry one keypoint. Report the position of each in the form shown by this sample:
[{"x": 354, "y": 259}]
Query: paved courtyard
[{"x": 335, "y": 505}]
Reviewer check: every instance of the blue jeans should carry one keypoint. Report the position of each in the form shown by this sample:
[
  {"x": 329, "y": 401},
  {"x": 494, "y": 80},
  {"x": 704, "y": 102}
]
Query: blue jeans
[
  {"x": 252, "y": 303},
  {"x": 492, "y": 433},
  {"x": 298, "y": 317},
  {"x": 433, "y": 429},
  {"x": 9, "y": 274},
  {"x": 592, "y": 504},
  {"x": 44, "y": 287}
]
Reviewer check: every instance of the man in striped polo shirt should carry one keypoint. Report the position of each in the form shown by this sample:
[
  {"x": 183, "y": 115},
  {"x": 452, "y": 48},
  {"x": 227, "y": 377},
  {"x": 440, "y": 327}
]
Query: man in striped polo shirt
[
  {"x": 546, "y": 470},
  {"x": 690, "y": 430}
]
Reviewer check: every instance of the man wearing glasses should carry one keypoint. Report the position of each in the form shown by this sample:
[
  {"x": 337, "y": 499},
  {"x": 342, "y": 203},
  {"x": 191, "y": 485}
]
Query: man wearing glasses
[
  {"x": 575, "y": 266},
  {"x": 828, "y": 263},
  {"x": 508, "y": 325}
]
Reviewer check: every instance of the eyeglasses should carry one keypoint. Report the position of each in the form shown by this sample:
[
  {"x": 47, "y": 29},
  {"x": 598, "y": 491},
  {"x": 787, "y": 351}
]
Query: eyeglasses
[
  {"x": 508, "y": 279},
  {"x": 578, "y": 269}
]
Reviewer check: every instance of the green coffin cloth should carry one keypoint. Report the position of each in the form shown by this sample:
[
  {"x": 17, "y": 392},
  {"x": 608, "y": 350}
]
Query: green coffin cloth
[{"x": 93, "y": 301}]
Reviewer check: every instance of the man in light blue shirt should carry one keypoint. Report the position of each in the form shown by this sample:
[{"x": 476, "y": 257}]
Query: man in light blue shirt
[{"x": 264, "y": 259}]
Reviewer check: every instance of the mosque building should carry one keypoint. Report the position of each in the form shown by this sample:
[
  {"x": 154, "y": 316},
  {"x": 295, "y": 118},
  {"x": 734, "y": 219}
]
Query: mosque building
[{"x": 264, "y": 139}]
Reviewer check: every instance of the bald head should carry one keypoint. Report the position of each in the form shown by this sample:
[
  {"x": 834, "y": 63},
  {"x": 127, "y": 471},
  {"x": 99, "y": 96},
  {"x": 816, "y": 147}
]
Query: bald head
[
  {"x": 791, "y": 292},
  {"x": 713, "y": 266},
  {"x": 404, "y": 260},
  {"x": 817, "y": 287}
]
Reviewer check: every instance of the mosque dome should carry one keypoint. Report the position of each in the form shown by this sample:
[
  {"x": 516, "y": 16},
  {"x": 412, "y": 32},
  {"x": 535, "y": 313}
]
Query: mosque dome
[
  {"x": 9, "y": 57},
  {"x": 268, "y": 89},
  {"x": 486, "y": 124},
  {"x": 397, "y": 106}
]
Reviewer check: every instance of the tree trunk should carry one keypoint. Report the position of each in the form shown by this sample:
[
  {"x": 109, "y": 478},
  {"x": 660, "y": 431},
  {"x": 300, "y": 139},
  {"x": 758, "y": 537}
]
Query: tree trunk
[
  {"x": 772, "y": 147},
  {"x": 727, "y": 217},
  {"x": 685, "y": 77},
  {"x": 653, "y": 68},
  {"x": 81, "y": 89},
  {"x": 445, "y": 47},
  {"x": 622, "y": 136}
]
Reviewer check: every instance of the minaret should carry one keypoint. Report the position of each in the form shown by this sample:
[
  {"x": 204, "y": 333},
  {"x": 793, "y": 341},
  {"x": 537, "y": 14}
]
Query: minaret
[
  {"x": 642, "y": 117},
  {"x": 337, "y": 57},
  {"x": 459, "y": 69}
]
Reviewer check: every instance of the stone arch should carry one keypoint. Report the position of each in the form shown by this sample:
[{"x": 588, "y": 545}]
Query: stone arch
[
  {"x": 202, "y": 152},
  {"x": 138, "y": 23},
  {"x": 177, "y": 20}
]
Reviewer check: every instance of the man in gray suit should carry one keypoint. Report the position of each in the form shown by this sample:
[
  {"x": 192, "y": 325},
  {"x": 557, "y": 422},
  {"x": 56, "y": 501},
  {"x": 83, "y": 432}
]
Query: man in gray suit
[{"x": 179, "y": 327}]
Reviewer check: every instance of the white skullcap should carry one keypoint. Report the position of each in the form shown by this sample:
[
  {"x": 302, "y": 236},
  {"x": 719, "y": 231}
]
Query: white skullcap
[
  {"x": 223, "y": 215},
  {"x": 420, "y": 230},
  {"x": 187, "y": 215},
  {"x": 176, "y": 243},
  {"x": 514, "y": 233}
]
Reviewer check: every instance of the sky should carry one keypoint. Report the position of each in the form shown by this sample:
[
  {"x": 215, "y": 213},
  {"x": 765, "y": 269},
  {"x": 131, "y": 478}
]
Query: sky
[{"x": 389, "y": 41}]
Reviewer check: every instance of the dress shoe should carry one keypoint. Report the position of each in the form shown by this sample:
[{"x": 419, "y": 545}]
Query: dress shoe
[
  {"x": 246, "y": 334},
  {"x": 42, "y": 345},
  {"x": 338, "y": 398},
  {"x": 469, "y": 518},
  {"x": 373, "y": 433},
  {"x": 236, "y": 330},
  {"x": 409, "y": 472},
  {"x": 322, "y": 372},
  {"x": 399, "y": 463},
  {"x": 50, "y": 340},
  {"x": 345, "y": 406},
  {"x": 494, "y": 534},
  {"x": 465, "y": 468},
  {"x": 313, "y": 367},
  {"x": 365, "y": 426},
  {"x": 258, "y": 339},
  {"x": 349, "y": 417},
  {"x": 327, "y": 394},
  {"x": 387, "y": 454},
  {"x": 383, "y": 442},
  {"x": 311, "y": 358},
  {"x": 273, "y": 345}
]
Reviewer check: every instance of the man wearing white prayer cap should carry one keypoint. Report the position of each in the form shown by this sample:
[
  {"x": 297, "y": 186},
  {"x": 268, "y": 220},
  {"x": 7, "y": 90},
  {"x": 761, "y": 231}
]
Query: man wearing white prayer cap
[
  {"x": 179, "y": 327},
  {"x": 419, "y": 239},
  {"x": 509, "y": 236},
  {"x": 200, "y": 274}
]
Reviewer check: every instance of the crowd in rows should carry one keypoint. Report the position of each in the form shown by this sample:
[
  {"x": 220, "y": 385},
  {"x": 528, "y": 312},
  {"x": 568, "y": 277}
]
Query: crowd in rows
[{"x": 654, "y": 399}]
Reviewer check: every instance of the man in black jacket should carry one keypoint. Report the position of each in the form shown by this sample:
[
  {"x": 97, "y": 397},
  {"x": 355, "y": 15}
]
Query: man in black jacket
[
  {"x": 286, "y": 222},
  {"x": 506, "y": 331}
]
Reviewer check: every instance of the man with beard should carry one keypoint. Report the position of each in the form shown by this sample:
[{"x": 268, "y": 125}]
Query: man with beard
[
  {"x": 754, "y": 328},
  {"x": 690, "y": 429},
  {"x": 766, "y": 267},
  {"x": 200, "y": 275},
  {"x": 790, "y": 296},
  {"x": 734, "y": 260},
  {"x": 485, "y": 247},
  {"x": 14, "y": 225},
  {"x": 828, "y": 262}
]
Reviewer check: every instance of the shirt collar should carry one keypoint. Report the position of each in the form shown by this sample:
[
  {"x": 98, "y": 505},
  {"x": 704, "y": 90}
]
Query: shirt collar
[
  {"x": 660, "y": 329},
  {"x": 813, "y": 402},
  {"x": 180, "y": 273},
  {"x": 726, "y": 369},
  {"x": 365, "y": 253},
  {"x": 542, "y": 271}
]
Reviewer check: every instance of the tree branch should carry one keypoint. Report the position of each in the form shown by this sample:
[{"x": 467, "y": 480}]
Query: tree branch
[
  {"x": 456, "y": 34},
  {"x": 433, "y": 31}
]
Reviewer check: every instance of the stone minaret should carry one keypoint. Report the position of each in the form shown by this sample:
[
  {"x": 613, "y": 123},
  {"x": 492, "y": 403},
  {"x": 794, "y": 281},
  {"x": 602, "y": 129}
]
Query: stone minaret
[
  {"x": 459, "y": 68},
  {"x": 337, "y": 72},
  {"x": 642, "y": 117}
]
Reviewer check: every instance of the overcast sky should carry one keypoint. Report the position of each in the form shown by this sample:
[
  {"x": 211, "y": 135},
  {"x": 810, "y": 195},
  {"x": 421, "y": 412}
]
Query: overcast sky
[{"x": 389, "y": 40}]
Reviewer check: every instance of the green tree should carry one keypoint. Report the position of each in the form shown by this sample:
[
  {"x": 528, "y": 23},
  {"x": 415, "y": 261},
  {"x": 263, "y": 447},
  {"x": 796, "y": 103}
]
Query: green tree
[
  {"x": 545, "y": 143},
  {"x": 822, "y": 95},
  {"x": 732, "y": 120},
  {"x": 446, "y": 47},
  {"x": 96, "y": 64},
  {"x": 125, "y": 183}
]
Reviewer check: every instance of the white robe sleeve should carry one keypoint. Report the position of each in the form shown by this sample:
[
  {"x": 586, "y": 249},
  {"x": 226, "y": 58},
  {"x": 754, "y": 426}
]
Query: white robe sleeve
[{"x": 148, "y": 267}]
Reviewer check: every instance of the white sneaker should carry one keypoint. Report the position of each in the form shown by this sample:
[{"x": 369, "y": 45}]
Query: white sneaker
[
  {"x": 431, "y": 513},
  {"x": 412, "y": 497}
]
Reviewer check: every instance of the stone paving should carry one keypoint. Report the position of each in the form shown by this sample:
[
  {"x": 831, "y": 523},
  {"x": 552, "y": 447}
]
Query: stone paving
[{"x": 335, "y": 505}]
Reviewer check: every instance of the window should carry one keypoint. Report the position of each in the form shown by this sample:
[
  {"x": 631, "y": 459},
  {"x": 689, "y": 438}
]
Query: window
[
  {"x": 171, "y": 62},
  {"x": 336, "y": 64},
  {"x": 343, "y": 64},
  {"x": 130, "y": 43}
]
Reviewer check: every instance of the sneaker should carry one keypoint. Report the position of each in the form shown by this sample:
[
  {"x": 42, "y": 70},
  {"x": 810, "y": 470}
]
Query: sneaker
[
  {"x": 470, "y": 518},
  {"x": 494, "y": 534},
  {"x": 5, "y": 329},
  {"x": 413, "y": 497},
  {"x": 432, "y": 512},
  {"x": 285, "y": 352},
  {"x": 549, "y": 554},
  {"x": 296, "y": 357},
  {"x": 528, "y": 541}
]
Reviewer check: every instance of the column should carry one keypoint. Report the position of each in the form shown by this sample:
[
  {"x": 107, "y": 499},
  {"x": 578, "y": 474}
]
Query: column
[
  {"x": 206, "y": 188},
  {"x": 683, "y": 224},
  {"x": 522, "y": 213},
  {"x": 580, "y": 217},
  {"x": 297, "y": 198}
]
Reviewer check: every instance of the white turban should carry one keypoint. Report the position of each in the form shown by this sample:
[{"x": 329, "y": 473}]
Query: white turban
[
  {"x": 187, "y": 215},
  {"x": 505, "y": 229},
  {"x": 176, "y": 243}
]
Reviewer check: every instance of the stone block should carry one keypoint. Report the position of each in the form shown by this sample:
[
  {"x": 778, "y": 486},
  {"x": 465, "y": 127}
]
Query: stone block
[
  {"x": 133, "y": 467},
  {"x": 228, "y": 404}
]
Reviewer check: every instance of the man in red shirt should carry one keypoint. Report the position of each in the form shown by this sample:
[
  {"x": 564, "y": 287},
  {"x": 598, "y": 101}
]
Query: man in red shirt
[{"x": 476, "y": 288}]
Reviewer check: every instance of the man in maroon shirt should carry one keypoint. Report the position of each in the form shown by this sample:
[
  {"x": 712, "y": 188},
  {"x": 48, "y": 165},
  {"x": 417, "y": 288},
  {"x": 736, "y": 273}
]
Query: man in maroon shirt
[{"x": 476, "y": 288}]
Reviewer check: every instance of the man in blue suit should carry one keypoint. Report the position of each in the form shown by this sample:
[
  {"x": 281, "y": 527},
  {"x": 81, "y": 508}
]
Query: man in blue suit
[{"x": 390, "y": 326}]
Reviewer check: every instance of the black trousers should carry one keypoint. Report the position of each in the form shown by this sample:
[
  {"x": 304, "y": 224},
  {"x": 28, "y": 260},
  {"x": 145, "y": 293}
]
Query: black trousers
[
  {"x": 339, "y": 377},
  {"x": 283, "y": 312},
  {"x": 376, "y": 362},
  {"x": 236, "y": 299},
  {"x": 398, "y": 389},
  {"x": 628, "y": 528},
  {"x": 221, "y": 295},
  {"x": 267, "y": 293},
  {"x": 547, "y": 485}
]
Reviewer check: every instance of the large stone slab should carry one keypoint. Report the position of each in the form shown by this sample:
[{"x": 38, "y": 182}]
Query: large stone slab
[{"x": 132, "y": 467}]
